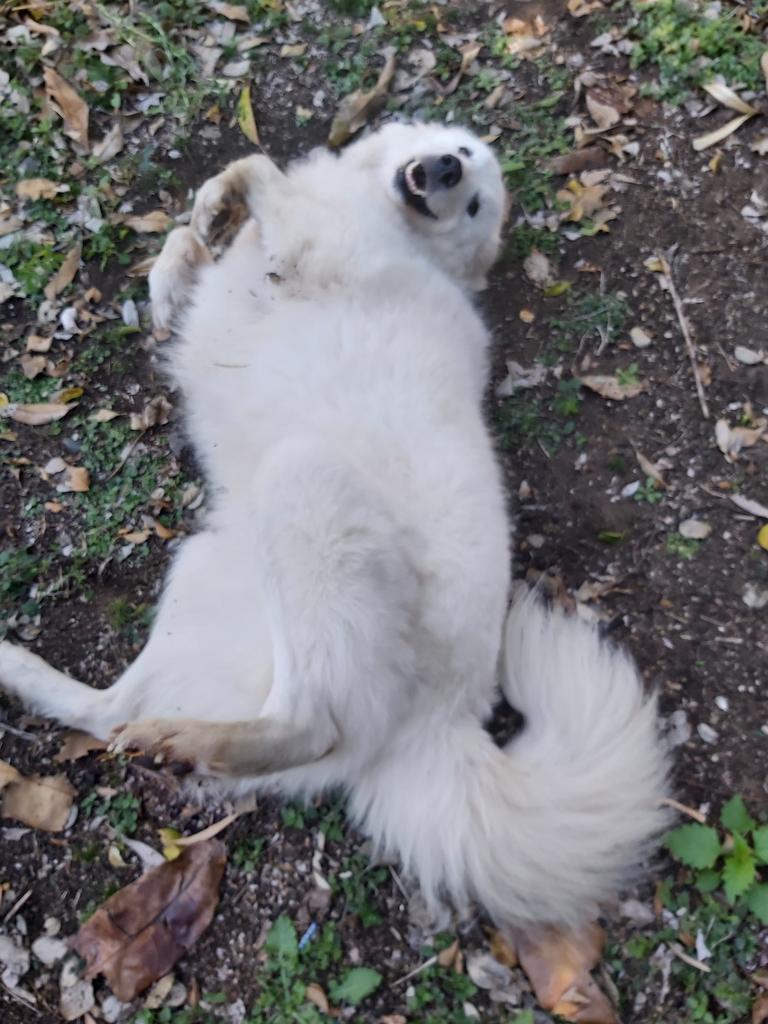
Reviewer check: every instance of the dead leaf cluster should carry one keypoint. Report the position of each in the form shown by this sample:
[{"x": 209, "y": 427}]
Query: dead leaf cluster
[{"x": 40, "y": 801}]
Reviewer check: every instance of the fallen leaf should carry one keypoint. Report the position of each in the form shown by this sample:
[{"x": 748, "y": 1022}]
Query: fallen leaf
[
  {"x": 103, "y": 415},
  {"x": 37, "y": 343},
  {"x": 135, "y": 536},
  {"x": 754, "y": 508},
  {"x": 39, "y": 188},
  {"x": 725, "y": 95},
  {"x": 582, "y": 200},
  {"x": 291, "y": 50},
  {"x": 65, "y": 275},
  {"x": 731, "y": 440},
  {"x": 139, "y": 933},
  {"x": 77, "y": 744},
  {"x": 32, "y": 366},
  {"x": 110, "y": 145},
  {"x": 760, "y": 1010},
  {"x": 36, "y": 414},
  {"x": 650, "y": 468},
  {"x": 234, "y": 12},
  {"x": 245, "y": 118},
  {"x": 589, "y": 157},
  {"x": 159, "y": 992},
  {"x": 317, "y": 997},
  {"x": 78, "y": 479},
  {"x": 356, "y": 109},
  {"x": 609, "y": 387},
  {"x": 581, "y": 8},
  {"x": 469, "y": 54},
  {"x": 558, "y": 965},
  {"x": 538, "y": 269},
  {"x": 162, "y": 531},
  {"x": 712, "y": 138},
  {"x": 519, "y": 378},
  {"x": 527, "y": 316},
  {"x": 148, "y": 223},
  {"x": 206, "y": 833},
  {"x": 762, "y": 537},
  {"x": 69, "y": 105},
  {"x": 39, "y": 801},
  {"x": 155, "y": 413}
]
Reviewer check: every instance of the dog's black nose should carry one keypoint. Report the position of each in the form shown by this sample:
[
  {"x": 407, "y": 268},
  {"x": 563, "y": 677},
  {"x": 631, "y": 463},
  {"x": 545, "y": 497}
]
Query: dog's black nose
[{"x": 442, "y": 171}]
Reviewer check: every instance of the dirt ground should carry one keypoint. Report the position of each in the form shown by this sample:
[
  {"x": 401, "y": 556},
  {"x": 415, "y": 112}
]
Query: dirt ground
[{"x": 589, "y": 517}]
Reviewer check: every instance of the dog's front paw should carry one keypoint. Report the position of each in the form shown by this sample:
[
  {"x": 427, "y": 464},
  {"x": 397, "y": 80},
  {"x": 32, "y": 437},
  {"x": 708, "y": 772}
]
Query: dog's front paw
[{"x": 166, "y": 740}]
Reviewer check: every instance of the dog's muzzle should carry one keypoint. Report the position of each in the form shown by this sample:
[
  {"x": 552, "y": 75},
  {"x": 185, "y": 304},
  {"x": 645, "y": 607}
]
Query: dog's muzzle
[{"x": 418, "y": 179}]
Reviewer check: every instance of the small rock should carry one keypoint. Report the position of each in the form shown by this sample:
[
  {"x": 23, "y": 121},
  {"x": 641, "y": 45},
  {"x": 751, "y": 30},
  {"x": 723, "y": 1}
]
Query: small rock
[
  {"x": 49, "y": 950},
  {"x": 535, "y": 540},
  {"x": 640, "y": 338},
  {"x": 707, "y": 733},
  {"x": 76, "y": 1000},
  {"x": 113, "y": 1010},
  {"x": 636, "y": 912},
  {"x": 754, "y": 597},
  {"x": 723, "y": 703},
  {"x": 486, "y": 972},
  {"x": 694, "y": 529},
  {"x": 15, "y": 959}
]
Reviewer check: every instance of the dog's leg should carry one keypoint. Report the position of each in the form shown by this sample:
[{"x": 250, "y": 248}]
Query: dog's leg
[
  {"x": 341, "y": 599},
  {"x": 237, "y": 191},
  {"x": 241, "y": 184},
  {"x": 174, "y": 275}
]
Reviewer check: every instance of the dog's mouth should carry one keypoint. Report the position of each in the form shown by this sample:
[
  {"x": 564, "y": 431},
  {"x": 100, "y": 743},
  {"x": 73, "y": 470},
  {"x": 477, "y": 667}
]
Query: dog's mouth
[{"x": 411, "y": 182}]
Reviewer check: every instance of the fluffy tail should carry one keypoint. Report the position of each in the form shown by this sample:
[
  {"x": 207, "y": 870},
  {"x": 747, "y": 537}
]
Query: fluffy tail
[{"x": 550, "y": 828}]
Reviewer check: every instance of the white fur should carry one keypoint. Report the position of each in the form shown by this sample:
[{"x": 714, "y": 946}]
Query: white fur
[{"x": 345, "y": 605}]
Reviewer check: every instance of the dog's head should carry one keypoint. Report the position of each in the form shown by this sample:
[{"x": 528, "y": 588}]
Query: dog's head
[{"x": 447, "y": 186}]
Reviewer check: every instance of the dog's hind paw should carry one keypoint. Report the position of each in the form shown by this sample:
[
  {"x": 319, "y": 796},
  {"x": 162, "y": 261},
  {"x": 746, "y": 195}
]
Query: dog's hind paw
[{"x": 166, "y": 740}]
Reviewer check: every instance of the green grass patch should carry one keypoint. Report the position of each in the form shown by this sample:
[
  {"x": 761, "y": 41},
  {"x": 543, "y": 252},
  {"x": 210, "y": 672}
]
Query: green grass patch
[{"x": 688, "y": 46}]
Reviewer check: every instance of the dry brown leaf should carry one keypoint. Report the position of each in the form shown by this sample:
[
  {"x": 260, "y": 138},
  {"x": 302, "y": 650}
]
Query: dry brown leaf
[
  {"x": 206, "y": 833},
  {"x": 359, "y": 107},
  {"x": 78, "y": 478},
  {"x": 609, "y": 387},
  {"x": 39, "y": 188},
  {"x": 110, "y": 145},
  {"x": 135, "y": 536},
  {"x": 558, "y": 965},
  {"x": 65, "y": 275},
  {"x": 42, "y": 802},
  {"x": 538, "y": 269},
  {"x": 712, "y": 138},
  {"x": 104, "y": 415},
  {"x": 32, "y": 366},
  {"x": 139, "y": 933},
  {"x": 155, "y": 413},
  {"x": 731, "y": 440},
  {"x": 37, "y": 343},
  {"x": 583, "y": 201},
  {"x": 469, "y": 54},
  {"x": 36, "y": 414},
  {"x": 760, "y": 1010},
  {"x": 71, "y": 107},
  {"x": 148, "y": 223},
  {"x": 579, "y": 160},
  {"x": 607, "y": 101},
  {"x": 649, "y": 468},
  {"x": 77, "y": 744},
  {"x": 235, "y": 12},
  {"x": 291, "y": 50},
  {"x": 581, "y": 8},
  {"x": 317, "y": 997},
  {"x": 725, "y": 95},
  {"x": 245, "y": 117}
]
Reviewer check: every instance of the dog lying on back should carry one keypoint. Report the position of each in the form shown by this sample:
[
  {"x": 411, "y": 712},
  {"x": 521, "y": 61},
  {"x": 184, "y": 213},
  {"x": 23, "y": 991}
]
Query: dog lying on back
[{"x": 342, "y": 619}]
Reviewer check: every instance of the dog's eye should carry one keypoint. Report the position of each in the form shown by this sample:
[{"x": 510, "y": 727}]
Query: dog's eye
[
  {"x": 463, "y": 151},
  {"x": 473, "y": 207}
]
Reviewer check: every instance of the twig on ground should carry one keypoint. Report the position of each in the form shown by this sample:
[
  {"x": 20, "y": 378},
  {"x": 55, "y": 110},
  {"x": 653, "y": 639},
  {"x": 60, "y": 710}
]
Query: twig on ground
[
  {"x": 688, "y": 959},
  {"x": 17, "y": 906},
  {"x": 686, "y": 330},
  {"x": 683, "y": 809},
  {"x": 417, "y": 970}
]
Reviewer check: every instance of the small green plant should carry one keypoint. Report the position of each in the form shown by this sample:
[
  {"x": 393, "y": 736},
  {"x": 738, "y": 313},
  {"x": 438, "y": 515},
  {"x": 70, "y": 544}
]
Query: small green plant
[
  {"x": 690, "y": 42},
  {"x": 682, "y": 547},
  {"x": 292, "y": 964},
  {"x": 628, "y": 376},
  {"x": 360, "y": 884},
  {"x": 247, "y": 854},
  {"x": 649, "y": 492},
  {"x": 734, "y": 862},
  {"x": 121, "y": 810}
]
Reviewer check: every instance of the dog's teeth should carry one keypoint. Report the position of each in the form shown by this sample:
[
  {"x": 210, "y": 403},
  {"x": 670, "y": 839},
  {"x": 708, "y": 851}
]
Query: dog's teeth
[{"x": 410, "y": 181}]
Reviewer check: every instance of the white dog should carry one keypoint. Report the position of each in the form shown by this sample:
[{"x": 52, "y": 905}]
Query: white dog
[{"x": 340, "y": 620}]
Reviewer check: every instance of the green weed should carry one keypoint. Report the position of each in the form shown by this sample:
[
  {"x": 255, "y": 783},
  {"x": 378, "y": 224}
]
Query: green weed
[
  {"x": 649, "y": 492},
  {"x": 121, "y": 810},
  {"x": 689, "y": 46},
  {"x": 682, "y": 547}
]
